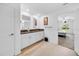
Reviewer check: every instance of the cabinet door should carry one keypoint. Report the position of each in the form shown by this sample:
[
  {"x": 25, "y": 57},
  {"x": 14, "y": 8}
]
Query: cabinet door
[
  {"x": 33, "y": 37},
  {"x": 40, "y": 35},
  {"x": 25, "y": 40}
]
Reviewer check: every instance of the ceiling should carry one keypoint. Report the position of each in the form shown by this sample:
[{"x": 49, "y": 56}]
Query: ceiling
[
  {"x": 42, "y": 8},
  {"x": 46, "y": 8}
]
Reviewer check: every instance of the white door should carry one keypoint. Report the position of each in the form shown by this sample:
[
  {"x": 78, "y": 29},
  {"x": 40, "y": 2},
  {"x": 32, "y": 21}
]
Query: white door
[{"x": 6, "y": 30}]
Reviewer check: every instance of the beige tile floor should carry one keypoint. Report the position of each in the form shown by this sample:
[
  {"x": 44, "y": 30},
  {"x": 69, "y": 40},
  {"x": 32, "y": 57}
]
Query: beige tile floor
[{"x": 47, "y": 49}]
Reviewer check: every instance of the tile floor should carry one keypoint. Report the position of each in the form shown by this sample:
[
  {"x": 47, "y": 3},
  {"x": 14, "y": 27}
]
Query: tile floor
[{"x": 47, "y": 49}]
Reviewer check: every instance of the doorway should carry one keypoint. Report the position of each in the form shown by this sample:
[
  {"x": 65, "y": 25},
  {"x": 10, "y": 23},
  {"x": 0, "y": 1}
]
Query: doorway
[{"x": 65, "y": 31}]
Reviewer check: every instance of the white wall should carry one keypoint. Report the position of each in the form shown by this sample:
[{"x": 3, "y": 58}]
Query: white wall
[
  {"x": 51, "y": 29},
  {"x": 17, "y": 30},
  {"x": 76, "y": 32}
]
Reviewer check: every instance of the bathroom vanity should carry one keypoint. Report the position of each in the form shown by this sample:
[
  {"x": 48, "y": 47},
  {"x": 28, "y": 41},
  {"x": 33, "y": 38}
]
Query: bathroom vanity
[{"x": 30, "y": 37}]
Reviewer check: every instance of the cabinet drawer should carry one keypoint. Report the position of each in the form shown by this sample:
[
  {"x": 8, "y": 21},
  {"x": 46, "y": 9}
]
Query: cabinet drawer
[{"x": 34, "y": 37}]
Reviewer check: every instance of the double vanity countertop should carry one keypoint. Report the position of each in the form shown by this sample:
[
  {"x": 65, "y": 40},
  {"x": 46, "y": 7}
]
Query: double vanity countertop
[{"x": 30, "y": 31}]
